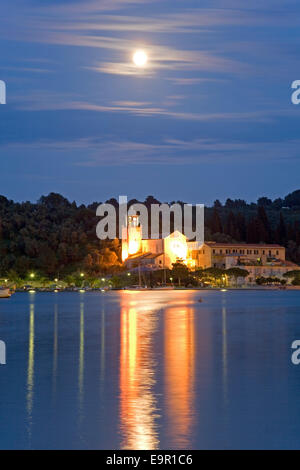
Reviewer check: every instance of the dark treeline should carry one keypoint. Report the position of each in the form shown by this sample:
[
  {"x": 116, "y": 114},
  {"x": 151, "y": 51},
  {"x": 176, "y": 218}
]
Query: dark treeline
[
  {"x": 53, "y": 237},
  {"x": 266, "y": 221},
  {"x": 56, "y": 237}
]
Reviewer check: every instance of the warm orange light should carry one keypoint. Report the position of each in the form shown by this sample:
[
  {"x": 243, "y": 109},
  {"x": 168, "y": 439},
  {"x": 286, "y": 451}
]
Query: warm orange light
[
  {"x": 176, "y": 248},
  {"x": 132, "y": 238},
  {"x": 191, "y": 263},
  {"x": 180, "y": 373},
  {"x": 179, "y": 249},
  {"x": 133, "y": 247},
  {"x": 138, "y": 409},
  {"x": 124, "y": 251}
]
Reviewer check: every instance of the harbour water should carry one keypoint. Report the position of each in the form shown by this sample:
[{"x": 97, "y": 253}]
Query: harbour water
[{"x": 150, "y": 370}]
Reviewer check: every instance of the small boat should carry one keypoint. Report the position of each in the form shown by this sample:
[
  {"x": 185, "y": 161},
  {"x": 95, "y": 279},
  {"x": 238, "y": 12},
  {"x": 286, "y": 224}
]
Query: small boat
[{"x": 5, "y": 293}]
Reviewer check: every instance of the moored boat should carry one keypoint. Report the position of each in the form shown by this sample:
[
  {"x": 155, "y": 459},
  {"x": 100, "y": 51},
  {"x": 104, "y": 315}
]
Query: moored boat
[{"x": 4, "y": 293}]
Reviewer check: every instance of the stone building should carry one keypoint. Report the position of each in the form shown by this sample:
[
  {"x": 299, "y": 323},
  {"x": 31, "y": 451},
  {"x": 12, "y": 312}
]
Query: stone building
[{"x": 260, "y": 260}]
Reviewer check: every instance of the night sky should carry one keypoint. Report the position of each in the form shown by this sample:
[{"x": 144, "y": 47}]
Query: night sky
[{"x": 210, "y": 115}]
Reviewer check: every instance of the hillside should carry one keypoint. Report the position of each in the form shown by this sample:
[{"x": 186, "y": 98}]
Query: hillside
[{"x": 57, "y": 237}]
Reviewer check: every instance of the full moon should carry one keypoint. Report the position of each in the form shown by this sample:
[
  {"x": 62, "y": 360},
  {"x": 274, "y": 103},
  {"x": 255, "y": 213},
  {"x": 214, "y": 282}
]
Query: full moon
[{"x": 140, "y": 58}]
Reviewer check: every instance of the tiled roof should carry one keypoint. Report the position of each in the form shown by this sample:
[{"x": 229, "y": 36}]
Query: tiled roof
[
  {"x": 144, "y": 256},
  {"x": 242, "y": 245}
]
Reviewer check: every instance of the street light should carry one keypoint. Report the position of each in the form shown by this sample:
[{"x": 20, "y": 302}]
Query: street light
[
  {"x": 56, "y": 280},
  {"x": 103, "y": 279},
  {"x": 81, "y": 274},
  {"x": 32, "y": 275},
  {"x": 128, "y": 274}
]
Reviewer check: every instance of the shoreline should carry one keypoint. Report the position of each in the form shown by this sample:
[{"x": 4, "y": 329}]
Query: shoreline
[{"x": 196, "y": 289}]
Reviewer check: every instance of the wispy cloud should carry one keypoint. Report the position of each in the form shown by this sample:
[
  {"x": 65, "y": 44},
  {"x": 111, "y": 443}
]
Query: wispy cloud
[
  {"x": 95, "y": 6},
  {"x": 86, "y": 26},
  {"x": 189, "y": 152},
  {"x": 122, "y": 68},
  {"x": 182, "y": 81},
  {"x": 25, "y": 69},
  {"x": 170, "y": 151},
  {"x": 165, "y": 58},
  {"x": 104, "y": 24},
  {"x": 53, "y": 102},
  {"x": 94, "y": 16}
]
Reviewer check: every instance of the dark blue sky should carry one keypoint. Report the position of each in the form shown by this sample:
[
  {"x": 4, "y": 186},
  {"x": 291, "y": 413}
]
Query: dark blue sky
[{"x": 209, "y": 117}]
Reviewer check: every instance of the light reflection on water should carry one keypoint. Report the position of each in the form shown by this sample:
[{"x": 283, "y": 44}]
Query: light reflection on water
[
  {"x": 150, "y": 370},
  {"x": 55, "y": 350},
  {"x": 81, "y": 366},
  {"x": 179, "y": 366},
  {"x": 30, "y": 369},
  {"x": 224, "y": 348},
  {"x": 138, "y": 406}
]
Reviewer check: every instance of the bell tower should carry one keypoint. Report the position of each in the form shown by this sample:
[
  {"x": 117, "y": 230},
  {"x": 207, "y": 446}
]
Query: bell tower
[{"x": 132, "y": 242}]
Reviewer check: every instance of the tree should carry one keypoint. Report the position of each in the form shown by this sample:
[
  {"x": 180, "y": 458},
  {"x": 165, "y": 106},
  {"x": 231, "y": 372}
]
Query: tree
[
  {"x": 269, "y": 280},
  {"x": 217, "y": 203},
  {"x": 231, "y": 226},
  {"x": 215, "y": 223},
  {"x": 236, "y": 204},
  {"x": 253, "y": 231},
  {"x": 108, "y": 259},
  {"x": 278, "y": 203},
  {"x": 264, "y": 201},
  {"x": 264, "y": 225},
  {"x": 236, "y": 273},
  {"x": 88, "y": 263},
  {"x": 151, "y": 200},
  {"x": 214, "y": 274},
  {"x": 292, "y": 199},
  {"x": 241, "y": 227},
  {"x": 259, "y": 229},
  {"x": 179, "y": 271},
  {"x": 54, "y": 200},
  {"x": 294, "y": 275},
  {"x": 281, "y": 231}
]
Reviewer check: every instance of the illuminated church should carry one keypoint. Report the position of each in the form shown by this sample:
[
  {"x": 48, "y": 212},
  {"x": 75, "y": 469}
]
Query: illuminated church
[
  {"x": 258, "y": 259},
  {"x": 154, "y": 254}
]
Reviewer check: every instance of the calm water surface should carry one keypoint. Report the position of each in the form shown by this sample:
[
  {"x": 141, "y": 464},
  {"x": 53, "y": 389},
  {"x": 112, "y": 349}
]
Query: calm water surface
[{"x": 150, "y": 370}]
